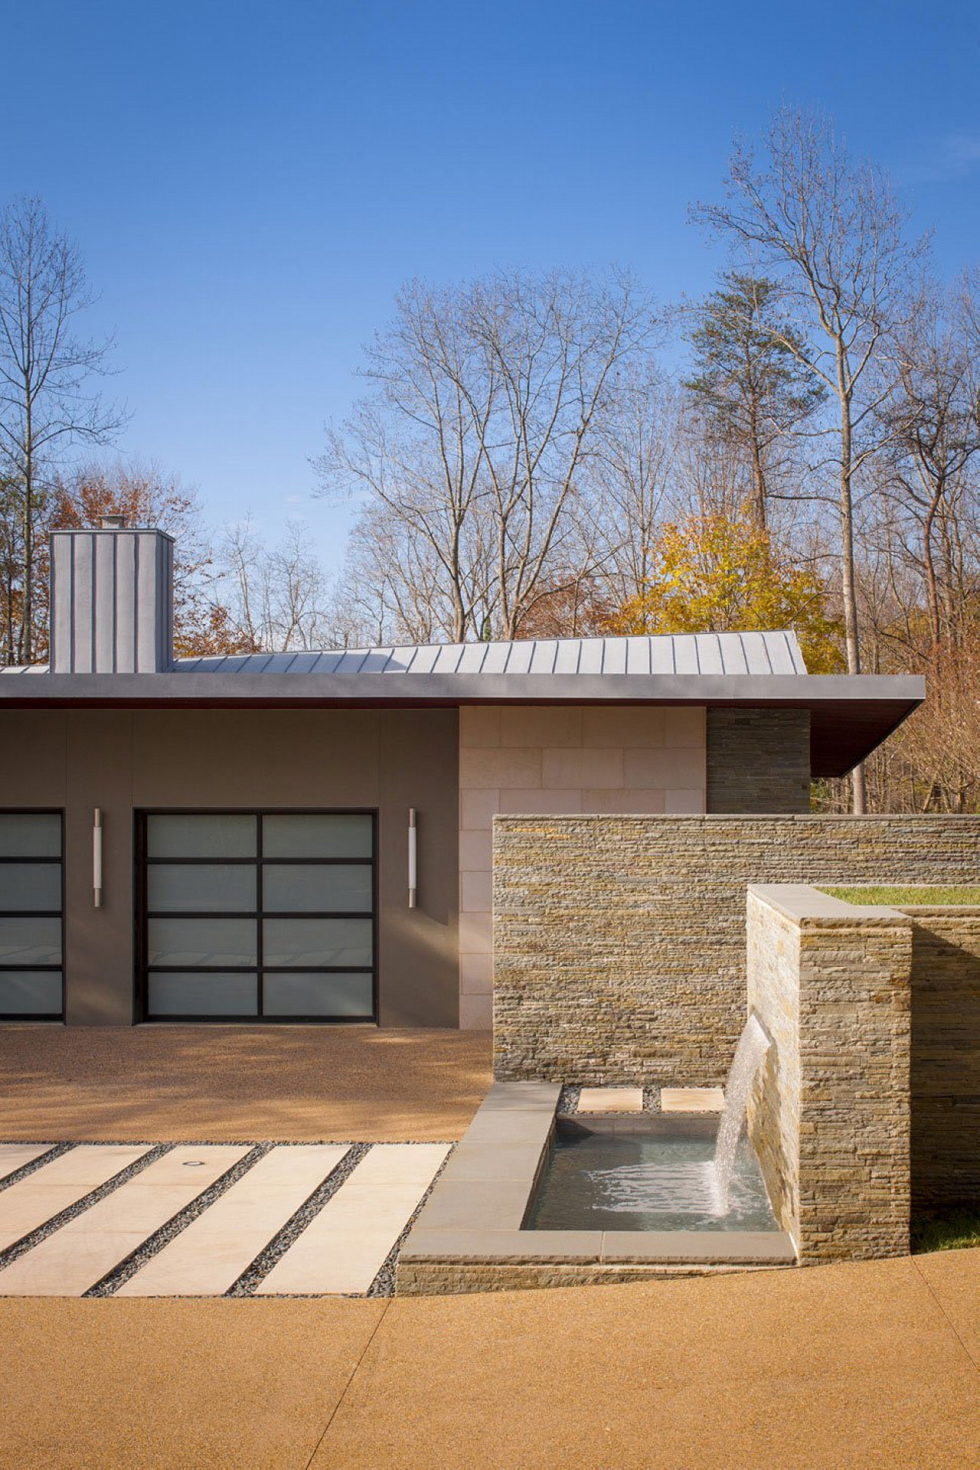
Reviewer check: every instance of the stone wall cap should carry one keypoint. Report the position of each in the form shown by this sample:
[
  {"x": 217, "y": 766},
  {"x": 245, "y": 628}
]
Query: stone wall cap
[{"x": 806, "y": 904}]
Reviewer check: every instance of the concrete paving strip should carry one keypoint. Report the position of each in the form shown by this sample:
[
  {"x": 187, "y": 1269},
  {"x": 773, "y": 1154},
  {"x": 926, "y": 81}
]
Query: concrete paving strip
[
  {"x": 14, "y": 1156},
  {"x": 78, "y": 1255},
  {"x": 210, "y": 1255},
  {"x": 52, "y": 1188},
  {"x": 345, "y": 1246}
]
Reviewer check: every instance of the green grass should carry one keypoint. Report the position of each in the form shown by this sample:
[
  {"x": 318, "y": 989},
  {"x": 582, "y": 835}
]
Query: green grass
[
  {"x": 946, "y": 1230},
  {"x": 920, "y": 893}
]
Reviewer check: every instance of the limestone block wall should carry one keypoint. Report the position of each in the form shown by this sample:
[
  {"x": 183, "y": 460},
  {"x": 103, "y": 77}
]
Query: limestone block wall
[
  {"x": 830, "y": 1117},
  {"x": 564, "y": 759},
  {"x": 619, "y": 941}
]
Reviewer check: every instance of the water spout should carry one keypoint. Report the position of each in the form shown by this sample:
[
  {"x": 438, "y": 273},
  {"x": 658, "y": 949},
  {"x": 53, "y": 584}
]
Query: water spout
[{"x": 750, "y": 1053}]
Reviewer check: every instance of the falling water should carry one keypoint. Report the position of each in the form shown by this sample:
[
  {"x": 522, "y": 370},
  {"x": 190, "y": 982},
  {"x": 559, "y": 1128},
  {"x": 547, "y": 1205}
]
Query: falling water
[{"x": 749, "y": 1054}]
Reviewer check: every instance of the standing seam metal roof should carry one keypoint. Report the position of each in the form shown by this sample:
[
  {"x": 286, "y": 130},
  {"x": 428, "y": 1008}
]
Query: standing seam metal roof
[{"x": 680, "y": 653}]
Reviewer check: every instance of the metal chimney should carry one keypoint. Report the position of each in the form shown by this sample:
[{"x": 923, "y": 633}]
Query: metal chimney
[{"x": 111, "y": 600}]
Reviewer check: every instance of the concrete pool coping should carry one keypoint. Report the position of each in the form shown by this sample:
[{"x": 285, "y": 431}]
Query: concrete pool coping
[{"x": 470, "y": 1231}]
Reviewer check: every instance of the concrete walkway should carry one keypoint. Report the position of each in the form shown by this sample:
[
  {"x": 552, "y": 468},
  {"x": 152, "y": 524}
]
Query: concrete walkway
[
  {"x": 224, "y": 1084},
  {"x": 833, "y": 1368}
]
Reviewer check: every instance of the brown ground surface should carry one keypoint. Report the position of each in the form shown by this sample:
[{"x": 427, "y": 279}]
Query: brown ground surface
[
  {"x": 834, "y": 1368},
  {"x": 221, "y": 1083}
]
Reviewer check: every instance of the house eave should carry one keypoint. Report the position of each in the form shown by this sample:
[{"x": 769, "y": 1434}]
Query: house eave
[{"x": 850, "y": 714}]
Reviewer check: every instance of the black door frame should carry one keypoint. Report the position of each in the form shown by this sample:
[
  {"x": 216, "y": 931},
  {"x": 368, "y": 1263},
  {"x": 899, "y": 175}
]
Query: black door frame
[
  {"x": 58, "y": 1018},
  {"x": 142, "y": 915}
]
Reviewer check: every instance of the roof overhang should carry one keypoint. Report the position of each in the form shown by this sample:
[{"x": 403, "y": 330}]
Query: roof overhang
[{"x": 850, "y": 713}]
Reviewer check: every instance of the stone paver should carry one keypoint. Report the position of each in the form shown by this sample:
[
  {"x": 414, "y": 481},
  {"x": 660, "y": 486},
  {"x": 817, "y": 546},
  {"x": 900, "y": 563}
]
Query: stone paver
[
  {"x": 85, "y": 1249},
  {"x": 14, "y": 1156},
  {"x": 345, "y": 1246},
  {"x": 42, "y": 1195},
  {"x": 692, "y": 1099},
  {"x": 209, "y": 1256},
  {"x": 611, "y": 1100}
]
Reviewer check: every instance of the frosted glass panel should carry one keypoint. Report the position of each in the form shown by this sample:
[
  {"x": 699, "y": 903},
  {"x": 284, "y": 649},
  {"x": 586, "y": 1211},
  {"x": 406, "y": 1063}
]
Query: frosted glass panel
[
  {"x": 304, "y": 942},
  {"x": 318, "y": 995},
  {"x": 203, "y": 995},
  {"x": 311, "y": 836},
  {"x": 23, "y": 992},
  {"x": 199, "y": 888},
  {"x": 217, "y": 942},
  {"x": 217, "y": 836},
  {"x": 30, "y": 834},
  {"x": 317, "y": 888},
  {"x": 30, "y": 941},
  {"x": 30, "y": 886}
]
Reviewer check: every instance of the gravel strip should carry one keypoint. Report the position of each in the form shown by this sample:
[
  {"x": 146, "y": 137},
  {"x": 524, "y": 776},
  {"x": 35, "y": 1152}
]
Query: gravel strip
[
  {"x": 384, "y": 1283},
  {"x": 128, "y": 1267},
  {"x": 382, "y": 1286},
  {"x": 54, "y": 1151},
  {"x": 294, "y": 1227},
  {"x": 22, "y": 1246}
]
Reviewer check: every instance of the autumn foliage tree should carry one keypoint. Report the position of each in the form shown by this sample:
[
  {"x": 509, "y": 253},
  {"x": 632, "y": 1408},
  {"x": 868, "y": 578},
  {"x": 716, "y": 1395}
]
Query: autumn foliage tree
[{"x": 719, "y": 574}]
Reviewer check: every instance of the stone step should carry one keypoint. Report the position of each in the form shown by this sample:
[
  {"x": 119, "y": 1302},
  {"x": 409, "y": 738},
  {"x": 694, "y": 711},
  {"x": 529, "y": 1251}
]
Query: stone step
[
  {"x": 89, "y": 1246},
  {"x": 210, "y": 1255},
  {"x": 14, "y": 1156},
  {"x": 344, "y": 1247},
  {"x": 34, "y": 1201}
]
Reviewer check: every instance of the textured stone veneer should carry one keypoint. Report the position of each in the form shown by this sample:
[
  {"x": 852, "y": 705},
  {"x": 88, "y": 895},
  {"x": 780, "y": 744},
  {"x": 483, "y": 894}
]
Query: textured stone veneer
[
  {"x": 620, "y": 940},
  {"x": 830, "y": 1115},
  {"x": 569, "y": 758},
  {"x": 945, "y": 1054},
  {"x": 758, "y": 760}
]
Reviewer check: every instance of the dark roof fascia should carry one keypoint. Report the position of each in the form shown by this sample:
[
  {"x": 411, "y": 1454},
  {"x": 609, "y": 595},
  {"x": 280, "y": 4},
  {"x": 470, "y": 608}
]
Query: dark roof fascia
[{"x": 209, "y": 689}]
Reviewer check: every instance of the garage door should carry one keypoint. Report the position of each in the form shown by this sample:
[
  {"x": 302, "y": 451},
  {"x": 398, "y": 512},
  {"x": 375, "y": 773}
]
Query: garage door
[
  {"x": 257, "y": 916},
  {"x": 31, "y": 916}
]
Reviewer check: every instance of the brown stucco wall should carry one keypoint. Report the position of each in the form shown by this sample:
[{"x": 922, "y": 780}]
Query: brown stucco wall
[
  {"x": 619, "y": 942},
  {"x": 121, "y": 760},
  {"x": 758, "y": 760}
]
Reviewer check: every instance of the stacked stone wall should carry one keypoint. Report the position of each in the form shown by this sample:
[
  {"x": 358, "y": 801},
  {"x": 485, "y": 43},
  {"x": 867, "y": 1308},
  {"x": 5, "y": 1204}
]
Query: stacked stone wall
[
  {"x": 758, "y": 760},
  {"x": 831, "y": 1111},
  {"x": 619, "y": 941},
  {"x": 945, "y": 1062}
]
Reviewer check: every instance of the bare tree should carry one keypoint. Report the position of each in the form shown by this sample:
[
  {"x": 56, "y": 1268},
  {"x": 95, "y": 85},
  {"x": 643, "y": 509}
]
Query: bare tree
[
  {"x": 417, "y": 445},
  {"x": 45, "y": 370},
  {"x": 830, "y": 233},
  {"x": 631, "y": 475},
  {"x": 933, "y": 417},
  {"x": 278, "y": 595},
  {"x": 487, "y": 406}
]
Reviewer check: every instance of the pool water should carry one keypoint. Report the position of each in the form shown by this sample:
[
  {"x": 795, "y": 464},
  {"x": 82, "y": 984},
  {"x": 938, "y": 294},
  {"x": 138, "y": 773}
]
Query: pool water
[{"x": 644, "y": 1179}]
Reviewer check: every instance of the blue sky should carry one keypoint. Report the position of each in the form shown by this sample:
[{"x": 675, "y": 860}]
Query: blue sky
[{"x": 250, "y": 182}]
